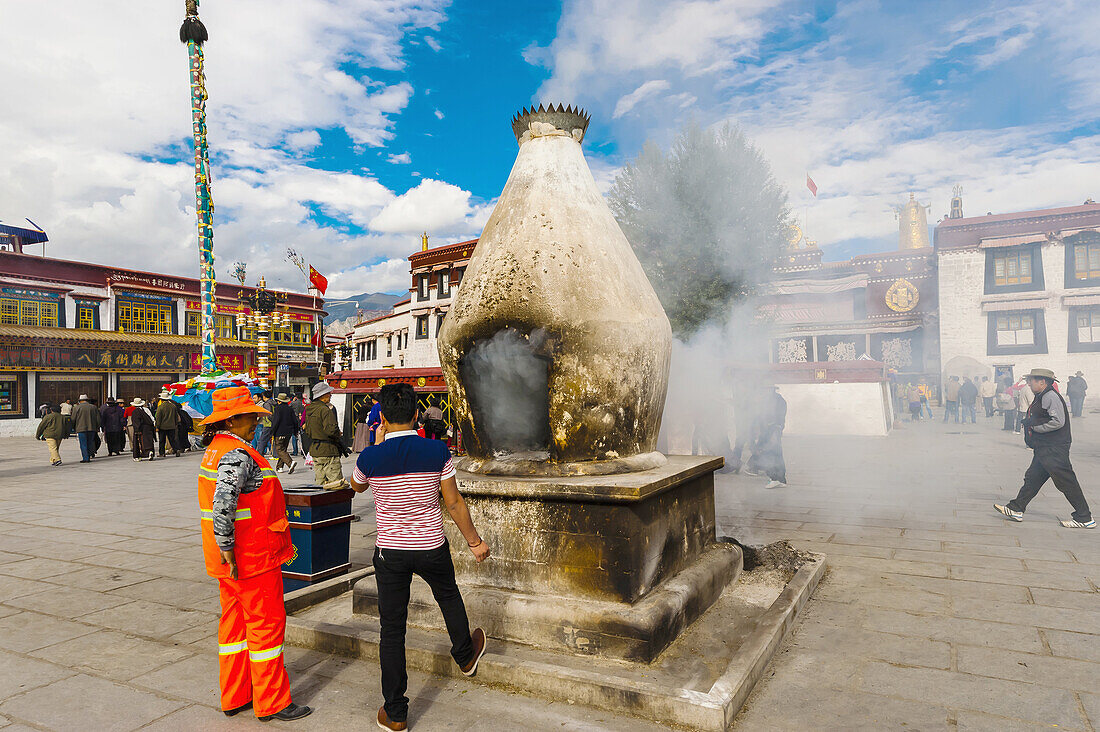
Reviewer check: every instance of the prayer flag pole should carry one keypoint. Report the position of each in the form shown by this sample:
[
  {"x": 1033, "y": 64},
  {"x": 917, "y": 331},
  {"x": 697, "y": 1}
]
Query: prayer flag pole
[{"x": 194, "y": 34}]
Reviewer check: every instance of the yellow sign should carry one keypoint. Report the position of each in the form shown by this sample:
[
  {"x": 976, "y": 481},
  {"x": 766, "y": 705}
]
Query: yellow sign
[
  {"x": 381, "y": 382},
  {"x": 902, "y": 296},
  {"x": 421, "y": 381}
]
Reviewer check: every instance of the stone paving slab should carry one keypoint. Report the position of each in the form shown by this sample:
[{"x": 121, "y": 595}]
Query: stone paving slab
[{"x": 928, "y": 590}]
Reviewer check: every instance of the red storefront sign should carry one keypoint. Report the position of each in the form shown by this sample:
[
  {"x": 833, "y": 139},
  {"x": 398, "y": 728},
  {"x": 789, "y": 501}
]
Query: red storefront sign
[{"x": 233, "y": 362}]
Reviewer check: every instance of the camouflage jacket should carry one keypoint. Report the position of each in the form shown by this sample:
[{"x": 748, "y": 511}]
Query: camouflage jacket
[{"x": 237, "y": 473}]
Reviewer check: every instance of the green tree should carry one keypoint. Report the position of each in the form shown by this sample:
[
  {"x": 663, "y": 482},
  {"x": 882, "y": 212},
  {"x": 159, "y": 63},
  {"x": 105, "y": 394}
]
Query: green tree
[{"x": 706, "y": 219}]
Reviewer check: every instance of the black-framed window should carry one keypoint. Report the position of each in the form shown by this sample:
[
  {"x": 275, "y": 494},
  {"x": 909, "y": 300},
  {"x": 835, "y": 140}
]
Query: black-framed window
[
  {"x": 1083, "y": 259},
  {"x": 421, "y": 287},
  {"x": 443, "y": 286},
  {"x": 389, "y": 346},
  {"x": 1084, "y": 330},
  {"x": 13, "y": 395},
  {"x": 1014, "y": 269},
  {"x": 1016, "y": 331},
  {"x": 438, "y": 324},
  {"x": 421, "y": 327},
  {"x": 456, "y": 277}
]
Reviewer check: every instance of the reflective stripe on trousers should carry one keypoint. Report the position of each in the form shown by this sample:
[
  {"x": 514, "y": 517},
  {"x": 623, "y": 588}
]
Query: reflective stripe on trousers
[
  {"x": 253, "y": 609},
  {"x": 265, "y": 655},
  {"x": 224, "y": 649}
]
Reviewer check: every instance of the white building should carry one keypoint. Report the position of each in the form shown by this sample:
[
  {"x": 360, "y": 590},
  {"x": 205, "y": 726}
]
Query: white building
[
  {"x": 406, "y": 337},
  {"x": 1019, "y": 291}
]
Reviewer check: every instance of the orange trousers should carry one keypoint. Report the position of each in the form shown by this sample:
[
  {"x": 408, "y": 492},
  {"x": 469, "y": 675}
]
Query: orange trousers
[{"x": 250, "y": 644}]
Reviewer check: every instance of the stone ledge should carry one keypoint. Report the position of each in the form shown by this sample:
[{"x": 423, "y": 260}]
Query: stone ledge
[
  {"x": 618, "y": 488},
  {"x": 622, "y": 688},
  {"x": 637, "y": 632}
]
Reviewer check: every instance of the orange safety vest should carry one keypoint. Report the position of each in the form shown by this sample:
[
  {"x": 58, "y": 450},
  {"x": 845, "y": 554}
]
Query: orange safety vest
[{"x": 262, "y": 536}]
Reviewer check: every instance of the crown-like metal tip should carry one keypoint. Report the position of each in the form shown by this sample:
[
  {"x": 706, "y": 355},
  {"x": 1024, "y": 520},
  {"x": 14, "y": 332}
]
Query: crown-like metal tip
[{"x": 563, "y": 118}]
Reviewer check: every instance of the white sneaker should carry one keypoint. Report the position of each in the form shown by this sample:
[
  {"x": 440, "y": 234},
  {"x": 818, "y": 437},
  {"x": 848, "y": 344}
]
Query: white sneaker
[
  {"x": 278, "y": 469},
  {"x": 776, "y": 484},
  {"x": 1075, "y": 524},
  {"x": 293, "y": 464},
  {"x": 1014, "y": 515}
]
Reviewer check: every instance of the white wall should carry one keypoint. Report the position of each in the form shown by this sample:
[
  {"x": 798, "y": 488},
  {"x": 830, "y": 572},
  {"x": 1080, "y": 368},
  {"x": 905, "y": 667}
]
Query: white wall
[
  {"x": 963, "y": 325},
  {"x": 837, "y": 409}
]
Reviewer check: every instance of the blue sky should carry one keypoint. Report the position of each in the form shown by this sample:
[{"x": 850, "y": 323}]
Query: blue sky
[{"x": 344, "y": 128}]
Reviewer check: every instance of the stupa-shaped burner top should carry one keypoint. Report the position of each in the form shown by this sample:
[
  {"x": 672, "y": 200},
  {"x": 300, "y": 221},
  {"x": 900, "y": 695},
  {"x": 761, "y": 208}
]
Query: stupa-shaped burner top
[{"x": 557, "y": 349}]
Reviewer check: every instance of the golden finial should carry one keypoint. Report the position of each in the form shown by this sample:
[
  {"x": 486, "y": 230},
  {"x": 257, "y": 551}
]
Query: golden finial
[{"x": 424, "y": 242}]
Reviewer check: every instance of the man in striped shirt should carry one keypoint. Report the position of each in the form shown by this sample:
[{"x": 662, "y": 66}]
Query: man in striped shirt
[{"x": 406, "y": 474}]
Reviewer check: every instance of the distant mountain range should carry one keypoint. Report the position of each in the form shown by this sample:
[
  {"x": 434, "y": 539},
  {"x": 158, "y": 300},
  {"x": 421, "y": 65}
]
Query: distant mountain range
[{"x": 346, "y": 307}]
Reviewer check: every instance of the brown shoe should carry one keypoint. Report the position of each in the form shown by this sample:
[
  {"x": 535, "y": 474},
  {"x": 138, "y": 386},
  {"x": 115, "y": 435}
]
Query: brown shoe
[
  {"x": 384, "y": 722},
  {"x": 479, "y": 650}
]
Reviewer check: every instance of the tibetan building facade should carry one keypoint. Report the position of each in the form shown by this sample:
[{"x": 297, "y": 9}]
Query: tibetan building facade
[
  {"x": 70, "y": 328},
  {"x": 401, "y": 345},
  {"x": 881, "y": 307},
  {"x": 1020, "y": 291}
]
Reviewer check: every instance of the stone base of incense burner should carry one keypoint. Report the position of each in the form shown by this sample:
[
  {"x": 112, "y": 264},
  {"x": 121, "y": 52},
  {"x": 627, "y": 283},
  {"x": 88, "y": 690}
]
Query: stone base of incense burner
[{"x": 612, "y": 565}]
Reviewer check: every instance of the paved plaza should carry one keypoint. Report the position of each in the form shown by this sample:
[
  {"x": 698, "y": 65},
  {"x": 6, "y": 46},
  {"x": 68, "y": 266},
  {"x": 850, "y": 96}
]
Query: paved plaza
[{"x": 934, "y": 614}]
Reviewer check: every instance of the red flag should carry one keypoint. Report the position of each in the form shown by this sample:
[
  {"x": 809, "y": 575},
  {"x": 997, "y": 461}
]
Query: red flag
[
  {"x": 318, "y": 280},
  {"x": 809, "y": 184},
  {"x": 318, "y": 337}
]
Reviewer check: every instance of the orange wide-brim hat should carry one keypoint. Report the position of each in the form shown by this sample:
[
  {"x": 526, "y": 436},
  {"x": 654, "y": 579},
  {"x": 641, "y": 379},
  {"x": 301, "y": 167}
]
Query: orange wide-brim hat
[{"x": 230, "y": 402}]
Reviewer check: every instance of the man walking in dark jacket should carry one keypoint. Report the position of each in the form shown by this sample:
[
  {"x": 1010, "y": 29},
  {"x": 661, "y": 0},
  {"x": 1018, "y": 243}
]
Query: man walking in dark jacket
[
  {"x": 86, "y": 424},
  {"x": 767, "y": 449},
  {"x": 113, "y": 424},
  {"x": 284, "y": 425},
  {"x": 1076, "y": 386},
  {"x": 1047, "y": 432},
  {"x": 167, "y": 420}
]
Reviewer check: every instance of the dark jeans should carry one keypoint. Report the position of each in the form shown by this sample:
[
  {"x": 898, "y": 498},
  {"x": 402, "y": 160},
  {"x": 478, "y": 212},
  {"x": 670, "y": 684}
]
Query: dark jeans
[
  {"x": 767, "y": 455},
  {"x": 87, "y": 445},
  {"x": 1051, "y": 462},
  {"x": 951, "y": 409},
  {"x": 294, "y": 444},
  {"x": 168, "y": 436},
  {"x": 1010, "y": 419},
  {"x": 393, "y": 571},
  {"x": 1076, "y": 404},
  {"x": 987, "y": 402},
  {"x": 968, "y": 412}
]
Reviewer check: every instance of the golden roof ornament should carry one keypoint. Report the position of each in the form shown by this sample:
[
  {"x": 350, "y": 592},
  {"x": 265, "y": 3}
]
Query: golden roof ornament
[{"x": 912, "y": 225}]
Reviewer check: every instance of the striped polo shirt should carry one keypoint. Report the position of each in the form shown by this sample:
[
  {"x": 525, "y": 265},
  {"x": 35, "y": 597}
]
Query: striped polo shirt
[{"x": 404, "y": 474}]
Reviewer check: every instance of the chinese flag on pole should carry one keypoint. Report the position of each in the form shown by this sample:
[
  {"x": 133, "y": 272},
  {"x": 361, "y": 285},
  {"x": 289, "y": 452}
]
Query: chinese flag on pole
[
  {"x": 809, "y": 184},
  {"x": 318, "y": 280}
]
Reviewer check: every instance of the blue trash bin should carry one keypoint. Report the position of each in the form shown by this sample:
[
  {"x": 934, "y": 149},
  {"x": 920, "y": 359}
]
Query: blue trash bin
[{"x": 320, "y": 530}]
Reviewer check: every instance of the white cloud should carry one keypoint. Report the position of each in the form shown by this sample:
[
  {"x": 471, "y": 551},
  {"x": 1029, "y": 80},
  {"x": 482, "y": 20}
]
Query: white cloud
[
  {"x": 433, "y": 43},
  {"x": 93, "y": 133},
  {"x": 391, "y": 275},
  {"x": 438, "y": 114},
  {"x": 399, "y": 158},
  {"x": 432, "y": 206},
  {"x": 647, "y": 90},
  {"x": 303, "y": 140},
  {"x": 847, "y": 97}
]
